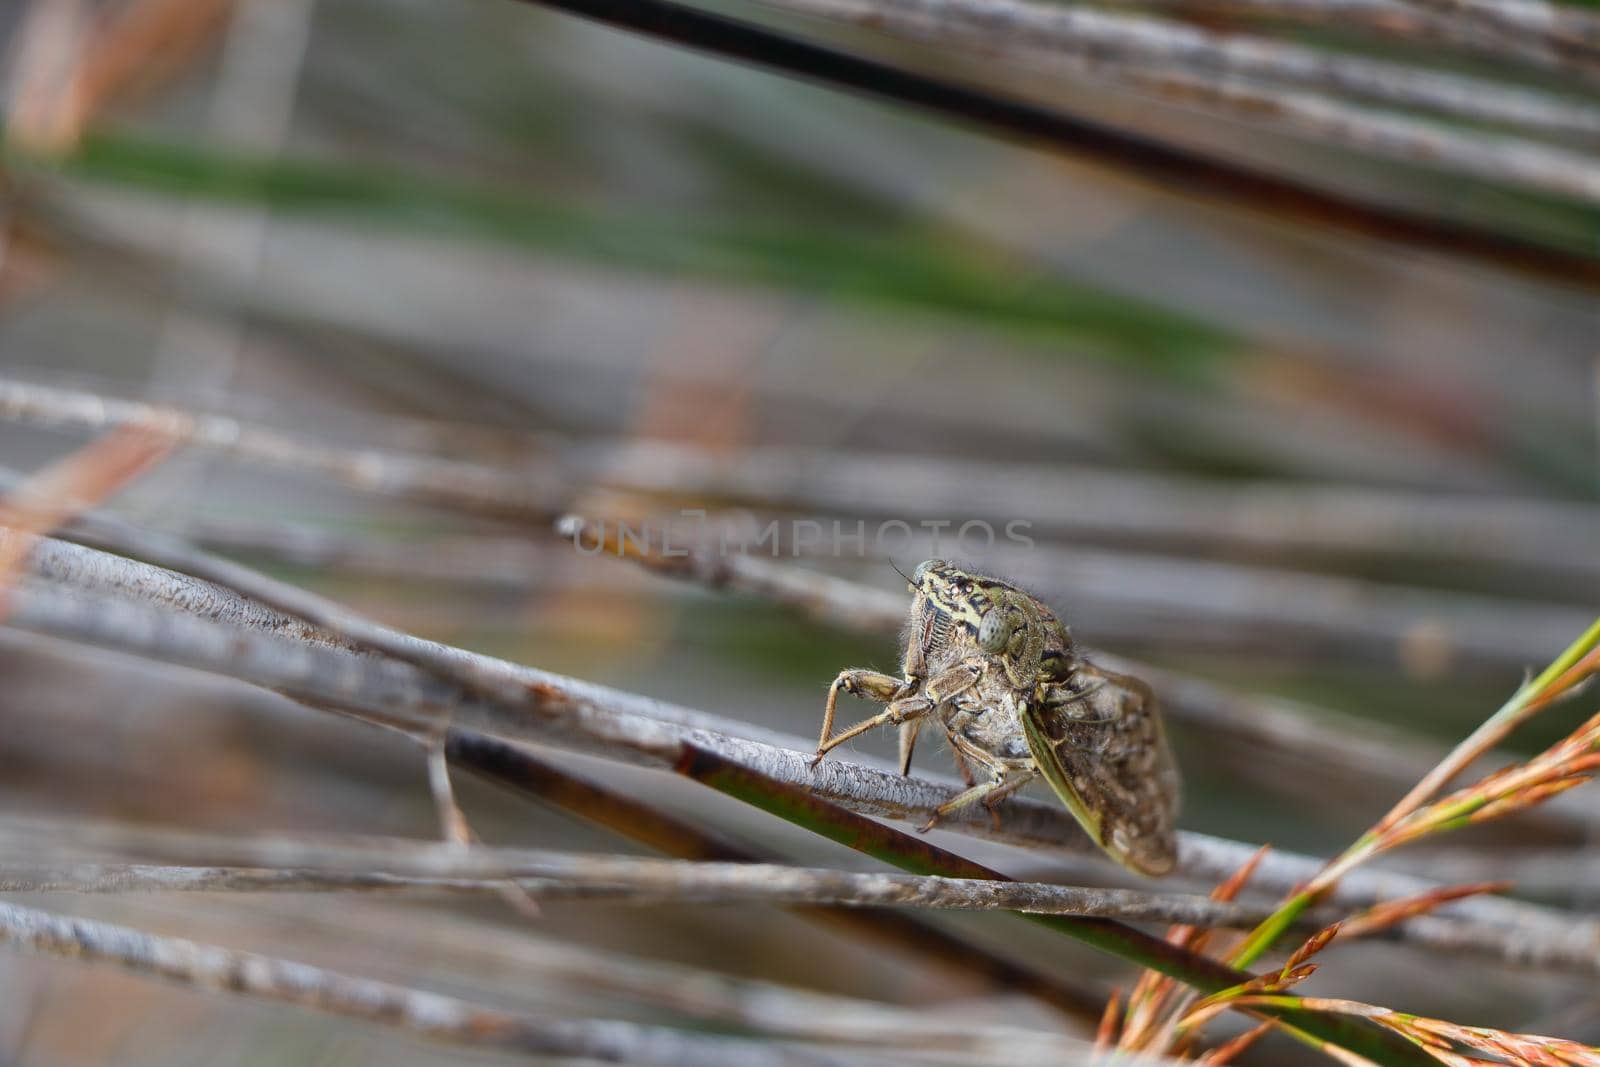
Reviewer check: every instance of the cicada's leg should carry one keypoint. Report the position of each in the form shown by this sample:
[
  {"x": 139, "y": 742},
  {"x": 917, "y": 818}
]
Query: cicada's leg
[
  {"x": 959, "y": 760},
  {"x": 1094, "y": 704},
  {"x": 908, "y": 744},
  {"x": 899, "y": 712},
  {"x": 904, "y": 706},
  {"x": 1089, "y": 710},
  {"x": 869, "y": 684},
  {"x": 1000, "y": 768},
  {"x": 989, "y": 793},
  {"x": 959, "y": 745},
  {"x": 1098, "y": 704},
  {"x": 941, "y": 689}
]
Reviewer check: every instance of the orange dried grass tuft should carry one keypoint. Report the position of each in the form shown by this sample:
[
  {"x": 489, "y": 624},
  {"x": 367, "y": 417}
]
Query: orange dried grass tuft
[
  {"x": 1158, "y": 1005},
  {"x": 1450, "y": 1043}
]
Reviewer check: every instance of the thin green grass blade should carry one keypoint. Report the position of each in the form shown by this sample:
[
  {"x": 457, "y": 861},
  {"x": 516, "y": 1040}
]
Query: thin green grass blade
[{"x": 918, "y": 856}]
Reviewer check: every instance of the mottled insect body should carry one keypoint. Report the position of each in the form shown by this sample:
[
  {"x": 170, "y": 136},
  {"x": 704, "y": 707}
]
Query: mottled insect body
[{"x": 999, "y": 673}]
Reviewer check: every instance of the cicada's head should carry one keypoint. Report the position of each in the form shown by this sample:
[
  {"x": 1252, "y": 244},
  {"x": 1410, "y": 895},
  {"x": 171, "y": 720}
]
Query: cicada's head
[
  {"x": 956, "y": 613},
  {"x": 948, "y": 606}
]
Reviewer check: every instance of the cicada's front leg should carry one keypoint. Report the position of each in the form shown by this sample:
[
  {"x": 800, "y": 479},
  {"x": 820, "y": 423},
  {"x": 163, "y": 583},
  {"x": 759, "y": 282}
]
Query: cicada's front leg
[
  {"x": 871, "y": 685},
  {"x": 942, "y": 688},
  {"x": 908, "y": 702}
]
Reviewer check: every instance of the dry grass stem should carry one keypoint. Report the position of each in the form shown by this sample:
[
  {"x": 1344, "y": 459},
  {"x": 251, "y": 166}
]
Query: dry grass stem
[
  {"x": 1286, "y": 521},
  {"x": 267, "y": 648},
  {"x": 1234, "y": 74},
  {"x": 639, "y": 882},
  {"x": 455, "y": 484},
  {"x": 425, "y": 1015},
  {"x": 1402, "y": 21},
  {"x": 492, "y": 348}
]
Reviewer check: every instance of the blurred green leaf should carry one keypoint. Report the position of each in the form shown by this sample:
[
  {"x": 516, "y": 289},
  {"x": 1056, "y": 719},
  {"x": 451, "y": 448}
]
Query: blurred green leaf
[{"x": 899, "y": 268}]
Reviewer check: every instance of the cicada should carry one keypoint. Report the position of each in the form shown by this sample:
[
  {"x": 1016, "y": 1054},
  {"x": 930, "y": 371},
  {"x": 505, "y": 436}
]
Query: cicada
[{"x": 1016, "y": 699}]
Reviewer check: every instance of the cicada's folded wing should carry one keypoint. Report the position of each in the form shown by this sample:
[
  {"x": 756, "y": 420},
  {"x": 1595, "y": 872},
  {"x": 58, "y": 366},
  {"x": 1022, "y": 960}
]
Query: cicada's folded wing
[{"x": 1097, "y": 739}]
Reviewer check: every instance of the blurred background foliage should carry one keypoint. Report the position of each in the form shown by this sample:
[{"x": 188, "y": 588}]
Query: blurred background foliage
[{"x": 1334, "y": 469}]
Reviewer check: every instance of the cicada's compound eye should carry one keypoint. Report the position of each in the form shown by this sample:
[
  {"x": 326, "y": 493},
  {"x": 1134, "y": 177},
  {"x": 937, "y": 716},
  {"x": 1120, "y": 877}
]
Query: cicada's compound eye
[
  {"x": 918, "y": 575},
  {"x": 995, "y": 629}
]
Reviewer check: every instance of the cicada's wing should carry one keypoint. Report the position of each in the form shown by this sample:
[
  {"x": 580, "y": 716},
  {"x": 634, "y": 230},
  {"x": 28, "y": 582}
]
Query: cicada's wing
[{"x": 1098, "y": 741}]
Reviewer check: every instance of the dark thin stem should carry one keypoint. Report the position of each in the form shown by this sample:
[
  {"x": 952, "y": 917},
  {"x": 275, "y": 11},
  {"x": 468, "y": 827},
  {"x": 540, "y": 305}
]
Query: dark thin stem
[
  {"x": 517, "y": 769},
  {"x": 1169, "y": 167}
]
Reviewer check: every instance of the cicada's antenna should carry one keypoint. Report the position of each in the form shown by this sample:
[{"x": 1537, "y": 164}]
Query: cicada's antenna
[{"x": 900, "y": 572}]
